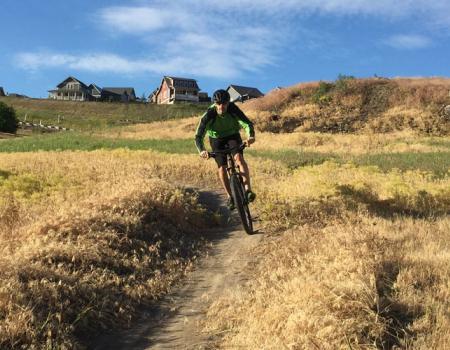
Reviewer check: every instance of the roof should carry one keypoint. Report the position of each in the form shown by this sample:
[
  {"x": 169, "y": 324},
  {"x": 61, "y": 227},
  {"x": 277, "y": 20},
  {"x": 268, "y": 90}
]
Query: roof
[
  {"x": 178, "y": 78},
  {"x": 153, "y": 93},
  {"x": 179, "y": 82},
  {"x": 61, "y": 84},
  {"x": 18, "y": 95},
  {"x": 119, "y": 90},
  {"x": 96, "y": 87},
  {"x": 245, "y": 90}
]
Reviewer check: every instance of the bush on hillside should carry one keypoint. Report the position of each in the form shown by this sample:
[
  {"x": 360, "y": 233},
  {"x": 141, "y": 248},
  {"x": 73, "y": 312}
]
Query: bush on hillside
[
  {"x": 342, "y": 82},
  {"x": 321, "y": 95},
  {"x": 8, "y": 119},
  {"x": 348, "y": 105}
]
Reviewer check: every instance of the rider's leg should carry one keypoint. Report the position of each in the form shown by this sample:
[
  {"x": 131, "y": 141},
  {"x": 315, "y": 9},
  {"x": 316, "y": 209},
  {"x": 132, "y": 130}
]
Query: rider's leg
[
  {"x": 240, "y": 161},
  {"x": 223, "y": 176}
]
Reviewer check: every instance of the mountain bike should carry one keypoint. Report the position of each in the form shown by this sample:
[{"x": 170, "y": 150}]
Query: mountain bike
[{"x": 237, "y": 187}]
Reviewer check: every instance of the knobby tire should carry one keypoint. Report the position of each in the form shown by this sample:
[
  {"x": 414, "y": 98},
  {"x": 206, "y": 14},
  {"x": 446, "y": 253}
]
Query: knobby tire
[{"x": 241, "y": 204}]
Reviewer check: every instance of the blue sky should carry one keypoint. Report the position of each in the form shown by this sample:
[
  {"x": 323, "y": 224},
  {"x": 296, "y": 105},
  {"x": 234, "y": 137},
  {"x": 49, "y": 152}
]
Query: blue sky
[{"x": 264, "y": 43}]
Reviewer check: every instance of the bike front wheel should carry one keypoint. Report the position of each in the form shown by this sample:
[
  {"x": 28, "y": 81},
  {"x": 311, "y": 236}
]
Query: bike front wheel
[{"x": 241, "y": 203}]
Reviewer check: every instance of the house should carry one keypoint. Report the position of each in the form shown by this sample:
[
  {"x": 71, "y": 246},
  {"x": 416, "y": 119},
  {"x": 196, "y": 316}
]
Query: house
[
  {"x": 203, "y": 97},
  {"x": 95, "y": 92},
  {"x": 141, "y": 99},
  {"x": 2, "y": 92},
  {"x": 152, "y": 97},
  {"x": 243, "y": 93},
  {"x": 119, "y": 94},
  {"x": 172, "y": 90},
  {"x": 17, "y": 95},
  {"x": 71, "y": 89}
]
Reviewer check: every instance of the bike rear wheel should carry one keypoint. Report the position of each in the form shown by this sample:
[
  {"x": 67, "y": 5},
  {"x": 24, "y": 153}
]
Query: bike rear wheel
[{"x": 237, "y": 192}]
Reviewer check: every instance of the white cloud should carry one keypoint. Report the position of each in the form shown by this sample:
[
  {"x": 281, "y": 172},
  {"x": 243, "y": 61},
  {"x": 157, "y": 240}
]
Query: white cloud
[
  {"x": 224, "y": 39},
  {"x": 181, "y": 40},
  {"x": 408, "y": 41},
  {"x": 247, "y": 31},
  {"x": 199, "y": 63},
  {"x": 90, "y": 62},
  {"x": 201, "y": 39},
  {"x": 33, "y": 61},
  {"x": 141, "y": 19}
]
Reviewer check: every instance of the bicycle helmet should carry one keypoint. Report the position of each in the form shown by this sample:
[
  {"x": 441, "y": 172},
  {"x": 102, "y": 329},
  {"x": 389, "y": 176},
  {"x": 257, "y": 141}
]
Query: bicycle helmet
[{"x": 221, "y": 96}]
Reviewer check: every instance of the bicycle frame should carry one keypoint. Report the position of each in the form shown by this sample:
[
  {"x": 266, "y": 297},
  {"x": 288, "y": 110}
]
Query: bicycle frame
[
  {"x": 237, "y": 187},
  {"x": 231, "y": 165}
]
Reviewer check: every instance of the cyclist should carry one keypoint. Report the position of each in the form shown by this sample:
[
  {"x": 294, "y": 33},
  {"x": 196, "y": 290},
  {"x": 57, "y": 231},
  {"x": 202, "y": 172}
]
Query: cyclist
[{"x": 222, "y": 122}]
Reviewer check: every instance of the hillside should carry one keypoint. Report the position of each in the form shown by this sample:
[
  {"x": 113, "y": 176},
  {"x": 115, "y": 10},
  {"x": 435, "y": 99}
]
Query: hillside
[
  {"x": 347, "y": 105},
  {"x": 98, "y": 225},
  {"x": 89, "y": 115},
  {"x": 356, "y": 105}
]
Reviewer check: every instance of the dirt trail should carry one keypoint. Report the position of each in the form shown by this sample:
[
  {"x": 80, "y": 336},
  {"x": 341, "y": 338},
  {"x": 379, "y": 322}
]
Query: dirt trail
[{"x": 174, "y": 322}]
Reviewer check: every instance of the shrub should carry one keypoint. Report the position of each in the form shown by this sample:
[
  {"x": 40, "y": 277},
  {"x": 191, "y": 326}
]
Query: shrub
[
  {"x": 8, "y": 119},
  {"x": 341, "y": 83},
  {"x": 321, "y": 94}
]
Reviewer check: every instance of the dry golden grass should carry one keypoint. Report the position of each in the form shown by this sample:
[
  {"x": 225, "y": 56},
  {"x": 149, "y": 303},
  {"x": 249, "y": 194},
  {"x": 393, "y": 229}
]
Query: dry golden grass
[
  {"x": 364, "y": 262},
  {"x": 356, "y": 105},
  {"x": 423, "y": 82},
  {"x": 342, "y": 144},
  {"x": 404, "y": 118},
  {"x": 397, "y": 141},
  {"x": 88, "y": 237},
  {"x": 276, "y": 99},
  {"x": 317, "y": 194},
  {"x": 173, "y": 129},
  {"x": 366, "y": 283}
]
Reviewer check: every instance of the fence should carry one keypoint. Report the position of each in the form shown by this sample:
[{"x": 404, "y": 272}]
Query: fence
[{"x": 26, "y": 125}]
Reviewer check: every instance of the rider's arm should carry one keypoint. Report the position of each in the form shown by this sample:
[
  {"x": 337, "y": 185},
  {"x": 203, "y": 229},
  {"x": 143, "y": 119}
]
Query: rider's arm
[
  {"x": 245, "y": 123},
  {"x": 201, "y": 130}
]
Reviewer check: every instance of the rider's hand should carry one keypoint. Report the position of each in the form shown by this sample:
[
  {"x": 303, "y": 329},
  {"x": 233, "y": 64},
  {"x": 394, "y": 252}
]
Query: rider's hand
[
  {"x": 250, "y": 140},
  {"x": 204, "y": 154}
]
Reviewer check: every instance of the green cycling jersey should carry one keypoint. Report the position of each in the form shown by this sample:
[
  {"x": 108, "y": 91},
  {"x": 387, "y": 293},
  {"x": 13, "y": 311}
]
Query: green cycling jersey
[{"x": 217, "y": 126}]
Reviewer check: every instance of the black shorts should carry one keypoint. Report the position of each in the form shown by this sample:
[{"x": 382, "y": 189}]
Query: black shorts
[{"x": 223, "y": 143}]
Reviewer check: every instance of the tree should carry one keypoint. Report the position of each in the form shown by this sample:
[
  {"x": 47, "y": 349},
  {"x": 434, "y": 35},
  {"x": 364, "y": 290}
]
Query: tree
[{"x": 8, "y": 119}]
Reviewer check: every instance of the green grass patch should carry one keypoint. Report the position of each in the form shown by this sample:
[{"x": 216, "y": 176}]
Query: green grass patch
[
  {"x": 437, "y": 163},
  {"x": 71, "y": 141},
  {"x": 83, "y": 116},
  {"x": 292, "y": 158}
]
